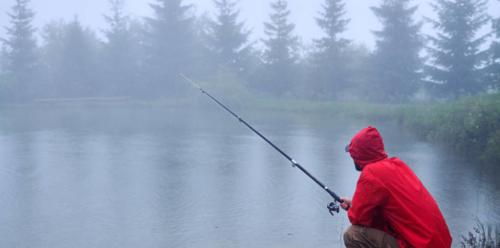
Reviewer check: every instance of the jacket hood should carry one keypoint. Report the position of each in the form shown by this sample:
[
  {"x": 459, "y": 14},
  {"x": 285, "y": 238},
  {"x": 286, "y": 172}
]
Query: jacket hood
[{"x": 367, "y": 147}]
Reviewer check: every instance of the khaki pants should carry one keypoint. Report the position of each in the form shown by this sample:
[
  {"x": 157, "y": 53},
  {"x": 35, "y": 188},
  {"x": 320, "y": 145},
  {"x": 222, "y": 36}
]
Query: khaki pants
[{"x": 363, "y": 237}]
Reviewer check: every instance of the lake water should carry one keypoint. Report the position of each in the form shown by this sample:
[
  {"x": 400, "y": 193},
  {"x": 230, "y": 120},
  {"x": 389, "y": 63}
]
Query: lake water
[{"x": 165, "y": 177}]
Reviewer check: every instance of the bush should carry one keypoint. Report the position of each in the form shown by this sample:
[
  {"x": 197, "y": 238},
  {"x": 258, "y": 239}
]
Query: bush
[
  {"x": 481, "y": 237},
  {"x": 469, "y": 127}
]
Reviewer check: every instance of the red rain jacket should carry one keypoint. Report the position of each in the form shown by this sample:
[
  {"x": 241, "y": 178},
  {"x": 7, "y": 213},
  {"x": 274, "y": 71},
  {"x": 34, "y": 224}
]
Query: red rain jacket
[{"x": 391, "y": 198}]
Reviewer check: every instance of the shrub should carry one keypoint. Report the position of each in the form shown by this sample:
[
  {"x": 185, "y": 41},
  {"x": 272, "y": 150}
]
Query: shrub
[
  {"x": 481, "y": 237},
  {"x": 469, "y": 127}
]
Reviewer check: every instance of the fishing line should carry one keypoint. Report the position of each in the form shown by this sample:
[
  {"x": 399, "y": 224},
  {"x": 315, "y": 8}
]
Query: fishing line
[{"x": 332, "y": 207}]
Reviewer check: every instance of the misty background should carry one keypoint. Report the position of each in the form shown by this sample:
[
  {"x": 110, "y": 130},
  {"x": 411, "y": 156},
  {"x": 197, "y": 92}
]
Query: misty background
[
  {"x": 329, "y": 50},
  {"x": 253, "y": 13},
  {"x": 103, "y": 144}
]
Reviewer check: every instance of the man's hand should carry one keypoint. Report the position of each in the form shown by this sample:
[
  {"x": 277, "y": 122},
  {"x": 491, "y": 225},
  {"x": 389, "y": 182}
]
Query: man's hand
[{"x": 346, "y": 204}]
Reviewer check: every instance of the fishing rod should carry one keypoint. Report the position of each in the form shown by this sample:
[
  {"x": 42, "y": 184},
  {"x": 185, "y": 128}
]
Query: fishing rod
[{"x": 332, "y": 207}]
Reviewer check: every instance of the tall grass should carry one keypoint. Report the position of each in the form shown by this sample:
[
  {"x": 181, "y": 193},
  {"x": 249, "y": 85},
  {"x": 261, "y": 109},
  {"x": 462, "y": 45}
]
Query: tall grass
[
  {"x": 470, "y": 127},
  {"x": 482, "y": 236}
]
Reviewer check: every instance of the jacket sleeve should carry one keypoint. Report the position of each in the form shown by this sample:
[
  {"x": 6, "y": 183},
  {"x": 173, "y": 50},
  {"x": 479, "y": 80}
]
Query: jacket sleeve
[{"x": 369, "y": 197}]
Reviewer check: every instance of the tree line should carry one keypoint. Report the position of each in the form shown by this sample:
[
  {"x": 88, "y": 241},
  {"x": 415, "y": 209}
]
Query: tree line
[{"x": 143, "y": 57}]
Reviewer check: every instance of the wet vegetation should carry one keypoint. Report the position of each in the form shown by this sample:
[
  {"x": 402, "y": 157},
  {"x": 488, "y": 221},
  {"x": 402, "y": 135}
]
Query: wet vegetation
[
  {"x": 482, "y": 236},
  {"x": 470, "y": 126}
]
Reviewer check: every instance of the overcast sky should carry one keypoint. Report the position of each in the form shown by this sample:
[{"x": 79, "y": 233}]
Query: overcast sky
[{"x": 253, "y": 12}]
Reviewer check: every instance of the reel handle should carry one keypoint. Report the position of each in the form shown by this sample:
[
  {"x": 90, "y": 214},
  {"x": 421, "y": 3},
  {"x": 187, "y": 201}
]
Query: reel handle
[{"x": 333, "y": 207}]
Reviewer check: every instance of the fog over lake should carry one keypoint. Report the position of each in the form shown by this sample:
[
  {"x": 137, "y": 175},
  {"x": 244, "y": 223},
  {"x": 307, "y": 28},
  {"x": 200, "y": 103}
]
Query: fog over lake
[{"x": 160, "y": 177}]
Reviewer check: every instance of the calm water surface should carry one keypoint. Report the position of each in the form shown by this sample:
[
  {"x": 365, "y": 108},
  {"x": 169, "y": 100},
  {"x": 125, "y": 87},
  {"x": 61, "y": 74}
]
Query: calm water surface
[{"x": 152, "y": 177}]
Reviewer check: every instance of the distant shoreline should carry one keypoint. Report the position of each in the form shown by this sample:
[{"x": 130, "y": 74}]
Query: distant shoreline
[{"x": 469, "y": 127}]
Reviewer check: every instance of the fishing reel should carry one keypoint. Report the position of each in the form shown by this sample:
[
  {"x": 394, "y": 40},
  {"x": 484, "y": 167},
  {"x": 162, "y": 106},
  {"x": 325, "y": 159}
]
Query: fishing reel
[{"x": 333, "y": 207}]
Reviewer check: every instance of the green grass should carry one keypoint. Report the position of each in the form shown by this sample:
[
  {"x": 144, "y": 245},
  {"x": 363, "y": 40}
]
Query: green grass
[{"x": 470, "y": 127}]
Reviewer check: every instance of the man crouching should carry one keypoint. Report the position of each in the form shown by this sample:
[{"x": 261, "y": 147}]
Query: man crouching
[{"x": 390, "y": 207}]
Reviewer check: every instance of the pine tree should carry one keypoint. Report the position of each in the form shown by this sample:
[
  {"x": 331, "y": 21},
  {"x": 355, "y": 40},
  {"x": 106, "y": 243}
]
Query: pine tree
[
  {"x": 79, "y": 60},
  {"x": 229, "y": 38},
  {"x": 3, "y": 74},
  {"x": 51, "y": 59},
  {"x": 120, "y": 52},
  {"x": 330, "y": 70},
  {"x": 396, "y": 61},
  {"x": 3, "y": 60},
  {"x": 21, "y": 59},
  {"x": 170, "y": 46},
  {"x": 280, "y": 51},
  {"x": 456, "y": 52},
  {"x": 69, "y": 55},
  {"x": 494, "y": 65}
]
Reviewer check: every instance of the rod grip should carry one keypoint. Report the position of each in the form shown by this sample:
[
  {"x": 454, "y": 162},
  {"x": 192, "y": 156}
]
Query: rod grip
[{"x": 335, "y": 196}]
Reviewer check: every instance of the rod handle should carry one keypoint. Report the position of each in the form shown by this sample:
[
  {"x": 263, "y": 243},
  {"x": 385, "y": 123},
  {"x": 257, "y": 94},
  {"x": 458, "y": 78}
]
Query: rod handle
[{"x": 335, "y": 196}]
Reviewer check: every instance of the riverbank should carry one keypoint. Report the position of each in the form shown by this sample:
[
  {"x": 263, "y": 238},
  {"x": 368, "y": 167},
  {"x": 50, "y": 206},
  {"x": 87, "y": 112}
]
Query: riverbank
[{"x": 469, "y": 127}]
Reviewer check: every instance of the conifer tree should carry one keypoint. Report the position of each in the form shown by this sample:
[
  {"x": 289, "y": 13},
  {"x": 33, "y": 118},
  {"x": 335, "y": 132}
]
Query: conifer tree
[
  {"x": 51, "y": 57},
  {"x": 330, "y": 62},
  {"x": 3, "y": 75},
  {"x": 229, "y": 38},
  {"x": 21, "y": 60},
  {"x": 280, "y": 55},
  {"x": 80, "y": 71},
  {"x": 396, "y": 61},
  {"x": 494, "y": 65},
  {"x": 170, "y": 47},
  {"x": 3, "y": 62},
  {"x": 457, "y": 58},
  {"x": 120, "y": 52},
  {"x": 70, "y": 60}
]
